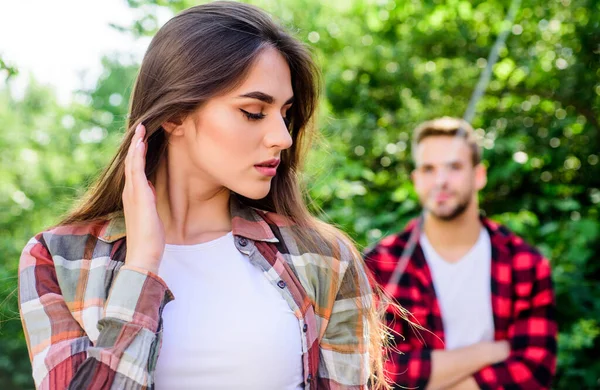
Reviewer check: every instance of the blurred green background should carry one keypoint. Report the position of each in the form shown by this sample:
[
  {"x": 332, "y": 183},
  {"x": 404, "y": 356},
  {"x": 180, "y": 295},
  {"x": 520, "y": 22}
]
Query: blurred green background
[{"x": 387, "y": 66}]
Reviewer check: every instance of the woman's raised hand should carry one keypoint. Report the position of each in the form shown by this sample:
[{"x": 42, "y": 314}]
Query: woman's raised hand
[{"x": 145, "y": 231}]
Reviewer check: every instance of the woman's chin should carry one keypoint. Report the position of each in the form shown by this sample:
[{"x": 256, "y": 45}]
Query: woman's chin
[{"x": 257, "y": 193}]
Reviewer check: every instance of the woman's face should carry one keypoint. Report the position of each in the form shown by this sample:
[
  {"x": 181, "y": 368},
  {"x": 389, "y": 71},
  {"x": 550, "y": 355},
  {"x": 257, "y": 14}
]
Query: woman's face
[{"x": 235, "y": 140}]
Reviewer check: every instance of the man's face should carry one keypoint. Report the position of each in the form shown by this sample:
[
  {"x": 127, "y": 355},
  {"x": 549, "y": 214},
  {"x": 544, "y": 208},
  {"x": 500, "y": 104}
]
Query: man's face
[{"x": 445, "y": 179}]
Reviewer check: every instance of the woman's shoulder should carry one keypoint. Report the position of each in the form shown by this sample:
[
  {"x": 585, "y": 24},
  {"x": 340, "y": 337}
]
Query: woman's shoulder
[
  {"x": 318, "y": 240},
  {"x": 69, "y": 238}
]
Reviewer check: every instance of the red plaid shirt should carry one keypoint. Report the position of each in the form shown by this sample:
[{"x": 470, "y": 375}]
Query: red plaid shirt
[
  {"x": 522, "y": 303},
  {"x": 93, "y": 322}
]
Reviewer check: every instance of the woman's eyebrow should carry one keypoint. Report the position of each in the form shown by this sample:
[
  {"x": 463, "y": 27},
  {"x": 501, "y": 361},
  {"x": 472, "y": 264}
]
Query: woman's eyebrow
[{"x": 263, "y": 97}]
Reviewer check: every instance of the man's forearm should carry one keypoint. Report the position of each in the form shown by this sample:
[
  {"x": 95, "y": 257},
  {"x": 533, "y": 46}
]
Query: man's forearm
[
  {"x": 451, "y": 367},
  {"x": 466, "y": 384}
]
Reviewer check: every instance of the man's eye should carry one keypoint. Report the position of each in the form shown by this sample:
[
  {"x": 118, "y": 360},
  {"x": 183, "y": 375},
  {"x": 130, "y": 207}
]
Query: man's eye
[{"x": 253, "y": 116}]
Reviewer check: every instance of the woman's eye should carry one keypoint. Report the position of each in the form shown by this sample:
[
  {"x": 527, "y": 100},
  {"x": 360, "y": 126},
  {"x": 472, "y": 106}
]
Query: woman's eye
[
  {"x": 286, "y": 120},
  {"x": 253, "y": 116}
]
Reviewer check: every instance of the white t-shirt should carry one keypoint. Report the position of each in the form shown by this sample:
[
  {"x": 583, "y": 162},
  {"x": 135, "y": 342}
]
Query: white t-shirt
[
  {"x": 463, "y": 290},
  {"x": 228, "y": 327}
]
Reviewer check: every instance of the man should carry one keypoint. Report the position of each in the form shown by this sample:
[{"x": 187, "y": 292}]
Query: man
[{"x": 483, "y": 296}]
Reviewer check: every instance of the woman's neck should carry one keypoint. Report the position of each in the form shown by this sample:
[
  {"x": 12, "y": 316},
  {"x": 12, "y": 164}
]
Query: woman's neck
[{"x": 191, "y": 210}]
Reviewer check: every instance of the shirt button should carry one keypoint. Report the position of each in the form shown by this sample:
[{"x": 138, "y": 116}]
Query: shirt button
[
  {"x": 308, "y": 378},
  {"x": 243, "y": 242},
  {"x": 281, "y": 284},
  {"x": 305, "y": 328}
]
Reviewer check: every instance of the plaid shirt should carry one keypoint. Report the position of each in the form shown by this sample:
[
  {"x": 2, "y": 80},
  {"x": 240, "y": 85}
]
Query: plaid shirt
[
  {"x": 522, "y": 303},
  {"x": 92, "y": 322}
]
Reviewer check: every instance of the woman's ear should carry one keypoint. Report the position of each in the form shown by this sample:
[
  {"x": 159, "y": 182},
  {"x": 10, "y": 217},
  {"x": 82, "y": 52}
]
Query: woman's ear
[{"x": 173, "y": 126}]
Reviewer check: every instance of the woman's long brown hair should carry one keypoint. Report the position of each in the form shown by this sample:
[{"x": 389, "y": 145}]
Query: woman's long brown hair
[{"x": 201, "y": 53}]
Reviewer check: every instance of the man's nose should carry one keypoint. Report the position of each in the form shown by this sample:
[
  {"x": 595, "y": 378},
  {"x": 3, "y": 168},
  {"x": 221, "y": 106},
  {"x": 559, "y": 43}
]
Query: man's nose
[{"x": 441, "y": 176}]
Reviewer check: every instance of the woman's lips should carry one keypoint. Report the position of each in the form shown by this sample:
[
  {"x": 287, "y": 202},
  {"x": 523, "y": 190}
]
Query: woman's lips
[{"x": 268, "y": 168}]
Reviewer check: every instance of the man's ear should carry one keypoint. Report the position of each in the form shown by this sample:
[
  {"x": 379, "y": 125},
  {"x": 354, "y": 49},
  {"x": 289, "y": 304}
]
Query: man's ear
[{"x": 480, "y": 176}]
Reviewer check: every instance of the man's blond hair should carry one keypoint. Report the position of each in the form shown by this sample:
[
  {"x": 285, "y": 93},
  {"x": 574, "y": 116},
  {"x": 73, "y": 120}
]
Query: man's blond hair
[{"x": 447, "y": 127}]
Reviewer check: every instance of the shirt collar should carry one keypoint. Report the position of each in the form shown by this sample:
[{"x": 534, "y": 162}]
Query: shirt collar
[
  {"x": 498, "y": 233},
  {"x": 245, "y": 222}
]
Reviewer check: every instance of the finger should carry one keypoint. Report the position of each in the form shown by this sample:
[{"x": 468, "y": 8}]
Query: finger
[
  {"x": 138, "y": 164},
  {"x": 126, "y": 167},
  {"x": 131, "y": 151},
  {"x": 132, "y": 143},
  {"x": 128, "y": 188}
]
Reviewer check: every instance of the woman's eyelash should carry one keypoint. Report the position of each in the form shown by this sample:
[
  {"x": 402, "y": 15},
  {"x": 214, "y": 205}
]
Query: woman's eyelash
[{"x": 252, "y": 116}]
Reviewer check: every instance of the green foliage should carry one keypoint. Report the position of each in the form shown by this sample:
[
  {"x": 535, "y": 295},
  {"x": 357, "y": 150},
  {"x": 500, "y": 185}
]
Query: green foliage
[
  {"x": 6, "y": 70},
  {"x": 387, "y": 65}
]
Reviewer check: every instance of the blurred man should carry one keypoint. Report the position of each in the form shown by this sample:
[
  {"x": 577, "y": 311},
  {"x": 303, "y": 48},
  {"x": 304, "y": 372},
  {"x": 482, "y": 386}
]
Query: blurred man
[{"x": 483, "y": 295}]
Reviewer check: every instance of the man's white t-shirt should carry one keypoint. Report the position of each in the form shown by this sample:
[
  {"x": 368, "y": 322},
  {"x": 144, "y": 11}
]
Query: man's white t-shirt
[
  {"x": 228, "y": 327},
  {"x": 463, "y": 291}
]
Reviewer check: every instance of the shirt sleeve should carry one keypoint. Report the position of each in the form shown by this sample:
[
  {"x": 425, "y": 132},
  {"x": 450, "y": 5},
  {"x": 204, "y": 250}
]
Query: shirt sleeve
[
  {"x": 532, "y": 336},
  {"x": 61, "y": 353},
  {"x": 411, "y": 366},
  {"x": 409, "y": 361},
  {"x": 344, "y": 362}
]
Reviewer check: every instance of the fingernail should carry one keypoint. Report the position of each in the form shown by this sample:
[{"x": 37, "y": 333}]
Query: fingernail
[
  {"x": 138, "y": 128},
  {"x": 139, "y": 142}
]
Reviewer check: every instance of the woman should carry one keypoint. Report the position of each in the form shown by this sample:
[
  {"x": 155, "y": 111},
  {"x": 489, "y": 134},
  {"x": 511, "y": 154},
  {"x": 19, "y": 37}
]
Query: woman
[{"x": 202, "y": 202}]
